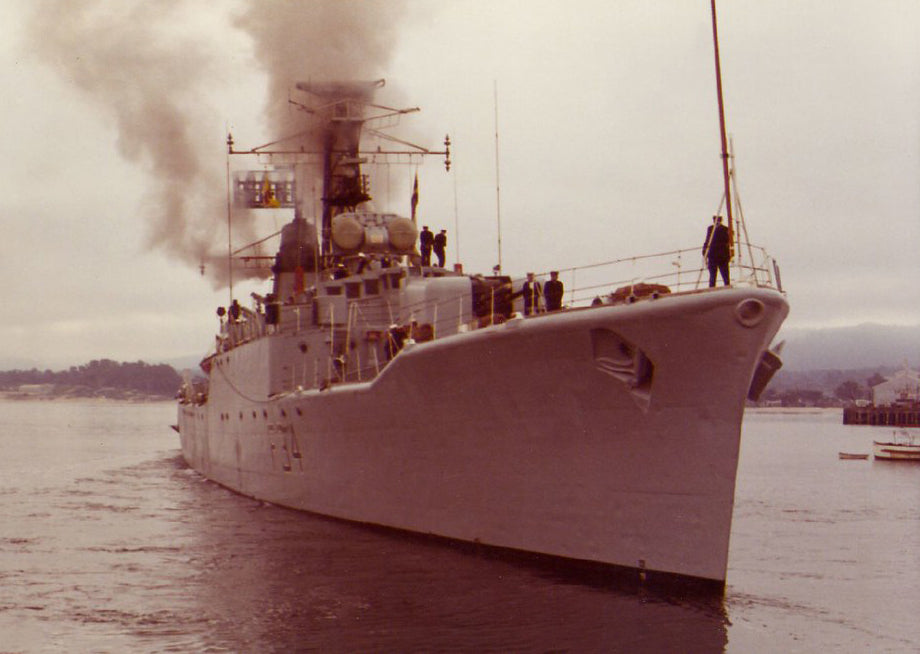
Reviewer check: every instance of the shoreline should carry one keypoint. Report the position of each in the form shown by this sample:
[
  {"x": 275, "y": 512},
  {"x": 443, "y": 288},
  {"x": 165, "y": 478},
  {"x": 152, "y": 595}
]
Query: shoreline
[
  {"x": 133, "y": 397},
  {"x": 18, "y": 396},
  {"x": 790, "y": 410}
]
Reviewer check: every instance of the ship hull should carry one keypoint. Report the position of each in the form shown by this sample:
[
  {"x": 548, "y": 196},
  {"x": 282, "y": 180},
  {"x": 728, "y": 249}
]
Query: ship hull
[{"x": 608, "y": 435}]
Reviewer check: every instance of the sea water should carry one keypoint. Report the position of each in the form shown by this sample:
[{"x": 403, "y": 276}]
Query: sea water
[{"x": 110, "y": 543}]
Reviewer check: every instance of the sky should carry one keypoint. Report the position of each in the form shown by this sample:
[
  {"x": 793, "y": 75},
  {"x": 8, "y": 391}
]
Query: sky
[{"x": 600, "y": 117}]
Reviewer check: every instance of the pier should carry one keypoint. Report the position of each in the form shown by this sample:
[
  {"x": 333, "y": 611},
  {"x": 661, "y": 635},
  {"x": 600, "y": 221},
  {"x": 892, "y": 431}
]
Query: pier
[{"x": 897, "y": 415}]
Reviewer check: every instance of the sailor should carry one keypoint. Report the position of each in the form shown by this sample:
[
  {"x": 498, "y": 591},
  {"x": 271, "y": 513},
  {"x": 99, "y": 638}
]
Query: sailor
[
  {"x": 440, "y": 246},
  {"x": 235, "y": 311},
  {"x": 717, "y": 250},
  {"x": 224, "y": 327},
  {"x": 272, "y": 311},
  {"x": 425, "y": 240},
  {"x": 553, "y": 292},
  {"x": 533, "y": 294}
]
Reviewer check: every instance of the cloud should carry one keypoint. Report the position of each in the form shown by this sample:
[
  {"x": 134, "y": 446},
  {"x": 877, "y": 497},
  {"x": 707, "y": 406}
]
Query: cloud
[{"x": 116, "y": 166}]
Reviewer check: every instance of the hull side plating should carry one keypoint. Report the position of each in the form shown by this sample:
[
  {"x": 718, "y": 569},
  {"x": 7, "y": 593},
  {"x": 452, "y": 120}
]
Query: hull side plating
[{"x": 605, "y": 434}]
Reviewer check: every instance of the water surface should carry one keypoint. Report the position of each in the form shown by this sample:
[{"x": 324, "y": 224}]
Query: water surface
[{"x": 109, "y": 543}]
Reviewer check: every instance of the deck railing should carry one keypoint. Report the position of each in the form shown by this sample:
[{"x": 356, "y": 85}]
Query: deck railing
[{"x": 679, "y": 270}]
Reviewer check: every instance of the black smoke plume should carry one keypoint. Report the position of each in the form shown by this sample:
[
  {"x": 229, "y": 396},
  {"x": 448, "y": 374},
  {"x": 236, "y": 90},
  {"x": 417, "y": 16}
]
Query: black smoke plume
[{"x": 158, "y": 79}]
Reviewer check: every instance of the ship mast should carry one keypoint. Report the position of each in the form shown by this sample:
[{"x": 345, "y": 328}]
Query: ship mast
[
  {"x": 725, "y": 164},
  {"x": 340, "y": 113}
]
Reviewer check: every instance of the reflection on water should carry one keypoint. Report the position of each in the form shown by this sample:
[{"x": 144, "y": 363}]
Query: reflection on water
[
  {"x": 122, "y": 547},
  {"x": 272, "y": 576},
  {"x": 108, "y": 542}
]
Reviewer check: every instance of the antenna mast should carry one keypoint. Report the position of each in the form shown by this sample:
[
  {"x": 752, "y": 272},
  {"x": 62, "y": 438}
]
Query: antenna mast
[
  {"x": 498, "y": 195},
  {"x": 229, "y": 218},
  {"x": 725, "y": 165}
]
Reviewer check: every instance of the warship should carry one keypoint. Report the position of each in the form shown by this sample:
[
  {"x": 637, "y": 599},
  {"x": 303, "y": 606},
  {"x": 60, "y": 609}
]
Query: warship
[{"x": 370, "y": 386}]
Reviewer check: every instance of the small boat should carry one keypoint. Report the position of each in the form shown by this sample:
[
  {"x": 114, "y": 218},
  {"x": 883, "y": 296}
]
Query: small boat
[
  {"x": 852, "y": 456},
  {"x": 902, "y": 447}
]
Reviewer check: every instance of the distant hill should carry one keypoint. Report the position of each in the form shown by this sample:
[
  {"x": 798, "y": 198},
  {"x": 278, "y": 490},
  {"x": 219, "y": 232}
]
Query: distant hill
[
  {"x": 98, "y": 378},
  {"x": 823, "y": 359},
  {"x": 863, "y": 346},
  {"x": 812, "y": 358},
  {"x": 9, "y": 363}
]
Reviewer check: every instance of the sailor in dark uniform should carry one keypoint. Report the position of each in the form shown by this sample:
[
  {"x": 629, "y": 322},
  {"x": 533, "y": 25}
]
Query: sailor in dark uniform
[
  {"x": 425, "y": 240},
  {"x": 533, "y": 295},
  {"x": 717, "y": 250},
  {"x": 440, "y": 246},
  {"x": 553, "y": 292}
]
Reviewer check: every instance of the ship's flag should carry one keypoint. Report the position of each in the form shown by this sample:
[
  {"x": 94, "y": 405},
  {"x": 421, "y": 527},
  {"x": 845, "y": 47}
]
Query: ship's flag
[{"x": 414, "y": 197}]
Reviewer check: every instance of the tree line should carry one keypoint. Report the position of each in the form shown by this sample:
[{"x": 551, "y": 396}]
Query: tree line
[
  {"x": 845, "y": 392},
  {"x": 139, "y": 377}
]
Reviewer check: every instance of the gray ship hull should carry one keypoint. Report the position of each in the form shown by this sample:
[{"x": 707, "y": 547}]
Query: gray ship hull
[{"x": 607, "y": 434}]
